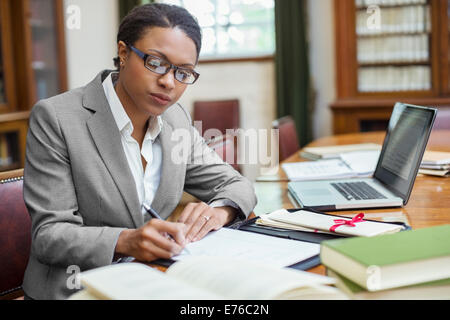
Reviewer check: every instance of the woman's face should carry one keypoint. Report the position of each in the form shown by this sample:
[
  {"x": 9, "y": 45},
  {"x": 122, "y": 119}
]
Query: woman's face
[{"x": 151, "y": 93}]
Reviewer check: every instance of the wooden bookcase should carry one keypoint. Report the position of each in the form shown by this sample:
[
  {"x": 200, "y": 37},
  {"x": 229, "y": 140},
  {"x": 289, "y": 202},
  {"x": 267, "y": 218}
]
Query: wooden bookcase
[
  {"x": 401, "y": 57},
  {"x": 32, "y": 67}
]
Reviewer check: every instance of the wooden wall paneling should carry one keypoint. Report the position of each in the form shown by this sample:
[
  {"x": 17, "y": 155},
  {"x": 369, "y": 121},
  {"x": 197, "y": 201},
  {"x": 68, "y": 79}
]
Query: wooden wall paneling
[
  {"x": 26, "y": 88},
  {"x": 346, "y": 81},
  {"x": 61, "y": 45},
  {"x": 8, "y": 59},
  {"x": 444, "y": 62}
]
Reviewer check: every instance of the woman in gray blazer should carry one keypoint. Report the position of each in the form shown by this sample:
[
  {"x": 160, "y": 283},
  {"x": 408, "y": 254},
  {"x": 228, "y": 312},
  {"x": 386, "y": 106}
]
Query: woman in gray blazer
[{"x": 97, "y": 154}]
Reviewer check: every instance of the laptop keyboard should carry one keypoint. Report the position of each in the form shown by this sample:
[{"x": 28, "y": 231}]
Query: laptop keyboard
[{"x": 357, "y": 191}]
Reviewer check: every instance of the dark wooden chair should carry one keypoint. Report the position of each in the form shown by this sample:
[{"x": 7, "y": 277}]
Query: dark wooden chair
[
  {"x": 288, "y": 140},
  {"x": 15, "y": 235}
]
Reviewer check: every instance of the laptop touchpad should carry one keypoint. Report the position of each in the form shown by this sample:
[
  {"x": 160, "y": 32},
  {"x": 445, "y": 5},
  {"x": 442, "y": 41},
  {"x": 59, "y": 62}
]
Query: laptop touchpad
[{"x": 319, "y": 192}]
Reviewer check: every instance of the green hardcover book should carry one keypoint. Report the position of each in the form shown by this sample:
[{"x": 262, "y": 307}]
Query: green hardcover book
[
  {"x": 391, "y": 261},
  {"x": 434, "y": 290}
]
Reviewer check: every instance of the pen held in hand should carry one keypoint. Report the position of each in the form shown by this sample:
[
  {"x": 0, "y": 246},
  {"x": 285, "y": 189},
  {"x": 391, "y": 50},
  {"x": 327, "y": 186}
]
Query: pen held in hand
[{"x": 155, "y": 215}]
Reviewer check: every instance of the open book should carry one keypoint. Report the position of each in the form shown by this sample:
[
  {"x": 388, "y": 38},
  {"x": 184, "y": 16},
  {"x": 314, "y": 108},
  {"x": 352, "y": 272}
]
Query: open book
[{"x": 204, "y": 278}]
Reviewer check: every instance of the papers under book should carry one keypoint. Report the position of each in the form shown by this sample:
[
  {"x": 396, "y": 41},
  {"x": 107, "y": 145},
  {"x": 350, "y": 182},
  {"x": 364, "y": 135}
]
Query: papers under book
[
  {"x": 349, "y": 165},
  {"x": 204, "y": 278},
  {"x": 335, "y": 152},
  {"x": 391, "y": 261},
  {"x": 303, "y": 220},
  {"x": 435, "y": 164}
]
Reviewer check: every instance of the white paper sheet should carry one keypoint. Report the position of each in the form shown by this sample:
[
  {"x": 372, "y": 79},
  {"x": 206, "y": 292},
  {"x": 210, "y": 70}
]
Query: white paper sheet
[{"x": 260, "y": 248}]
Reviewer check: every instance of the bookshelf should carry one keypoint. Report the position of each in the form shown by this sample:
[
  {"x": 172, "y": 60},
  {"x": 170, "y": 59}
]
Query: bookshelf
[
  {"x": 389, "y": 51},
  {"x": 32, "y": 67}
]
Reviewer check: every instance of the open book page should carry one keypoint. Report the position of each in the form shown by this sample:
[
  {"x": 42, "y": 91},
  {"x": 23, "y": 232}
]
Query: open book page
[
  {"x": 263, "y": 249},
  {"x": 134, "y": 281},
  {"x": 83, "y": 295},
  {"x": 243, "y": 279},
  {"x": 326, "y": 222}
]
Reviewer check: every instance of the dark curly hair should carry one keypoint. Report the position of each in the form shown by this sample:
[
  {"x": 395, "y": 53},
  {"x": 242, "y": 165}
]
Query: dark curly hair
[{"x": 138, "y": 20}]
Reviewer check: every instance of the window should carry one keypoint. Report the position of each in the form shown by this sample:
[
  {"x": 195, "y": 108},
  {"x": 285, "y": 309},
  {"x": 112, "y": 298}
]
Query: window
[{"x": 233, "y": 28}]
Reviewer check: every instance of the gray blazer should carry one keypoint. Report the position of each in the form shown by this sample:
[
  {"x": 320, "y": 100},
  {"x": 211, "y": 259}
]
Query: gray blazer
[{"x": 80, "y": 192}]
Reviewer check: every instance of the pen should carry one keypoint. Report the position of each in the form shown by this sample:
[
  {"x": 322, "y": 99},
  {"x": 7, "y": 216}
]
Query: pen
[
  {"x": 152, "y": 212},
  {"x": 155, "y": 215}
]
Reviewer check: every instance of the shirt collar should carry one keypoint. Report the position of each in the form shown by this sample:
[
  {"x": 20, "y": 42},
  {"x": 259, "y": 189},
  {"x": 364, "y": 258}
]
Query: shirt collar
[{"x": 120, "y": 116}]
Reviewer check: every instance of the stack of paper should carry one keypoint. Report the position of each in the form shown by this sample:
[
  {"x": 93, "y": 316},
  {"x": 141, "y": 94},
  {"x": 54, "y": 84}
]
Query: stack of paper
[
  {"x": 349, "y": 165},
  {"x": 436, "y": 164}
]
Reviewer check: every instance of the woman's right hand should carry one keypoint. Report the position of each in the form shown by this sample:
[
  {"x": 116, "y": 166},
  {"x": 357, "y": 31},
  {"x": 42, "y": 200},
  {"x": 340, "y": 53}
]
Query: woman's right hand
[{"x": 151, "y": 241}]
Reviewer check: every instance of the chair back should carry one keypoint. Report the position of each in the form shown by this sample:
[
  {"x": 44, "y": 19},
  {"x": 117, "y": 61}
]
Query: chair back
[
  {"x": 221, "y": 115},
  {"x": 15, "y": 234},
  {"x": 288, "y": 140},
  {"x": 442, "y": 119}
]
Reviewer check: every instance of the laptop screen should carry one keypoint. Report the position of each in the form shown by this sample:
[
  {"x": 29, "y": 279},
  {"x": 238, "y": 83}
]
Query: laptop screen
[{"x": 403, "y": 148}]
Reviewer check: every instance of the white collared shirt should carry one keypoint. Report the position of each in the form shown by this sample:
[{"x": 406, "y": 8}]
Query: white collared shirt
[{"x": 147, "y": 182}]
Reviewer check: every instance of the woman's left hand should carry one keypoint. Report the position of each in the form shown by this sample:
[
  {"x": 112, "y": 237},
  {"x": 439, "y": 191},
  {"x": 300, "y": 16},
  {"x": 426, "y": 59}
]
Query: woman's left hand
[{"x": 200, "y": 219}]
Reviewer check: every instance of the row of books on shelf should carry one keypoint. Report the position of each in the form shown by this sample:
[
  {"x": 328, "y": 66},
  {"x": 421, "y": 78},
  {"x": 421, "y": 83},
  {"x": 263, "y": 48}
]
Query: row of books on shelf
[
  {"x": 394, "y": 78},
  {"x": 353, "y": 161},
  {"x": 367, "y": 3},
  {"x": 409, "y": 48},
  {"x": 411, "y": 19}
]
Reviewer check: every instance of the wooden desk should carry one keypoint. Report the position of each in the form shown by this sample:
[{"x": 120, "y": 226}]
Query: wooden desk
[{"x": 428, "y": 206}]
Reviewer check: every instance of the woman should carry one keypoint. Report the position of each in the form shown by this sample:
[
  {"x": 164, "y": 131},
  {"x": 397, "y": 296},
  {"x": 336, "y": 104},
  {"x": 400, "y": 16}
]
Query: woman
[{"x": 97, "y": 154}]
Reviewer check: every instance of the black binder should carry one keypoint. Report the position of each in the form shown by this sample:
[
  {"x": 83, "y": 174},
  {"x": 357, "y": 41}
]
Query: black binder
[{"x": 251, "y": 226}]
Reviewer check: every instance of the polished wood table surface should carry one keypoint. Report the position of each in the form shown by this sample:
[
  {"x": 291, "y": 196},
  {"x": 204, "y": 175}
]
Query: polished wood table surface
[{"x": 429, "y": 204}]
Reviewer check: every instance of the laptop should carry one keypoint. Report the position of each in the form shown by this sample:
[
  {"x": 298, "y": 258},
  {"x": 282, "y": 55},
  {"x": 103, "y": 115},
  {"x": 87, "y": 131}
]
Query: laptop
[{"x": 391, "y": 185}]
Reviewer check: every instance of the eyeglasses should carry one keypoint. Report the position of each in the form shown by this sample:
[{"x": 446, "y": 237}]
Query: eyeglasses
[{"x": 162, "y": 66}]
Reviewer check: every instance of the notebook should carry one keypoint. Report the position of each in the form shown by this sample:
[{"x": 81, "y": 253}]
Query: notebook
[
  {"x": 391, "y": 185},
  {"x": 305, "y": 220}
]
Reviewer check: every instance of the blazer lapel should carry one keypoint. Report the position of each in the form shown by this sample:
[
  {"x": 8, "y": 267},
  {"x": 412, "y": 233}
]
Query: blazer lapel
[
  {"x": 106, "y": 136},
  {"x": 171, "y": 174}
]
